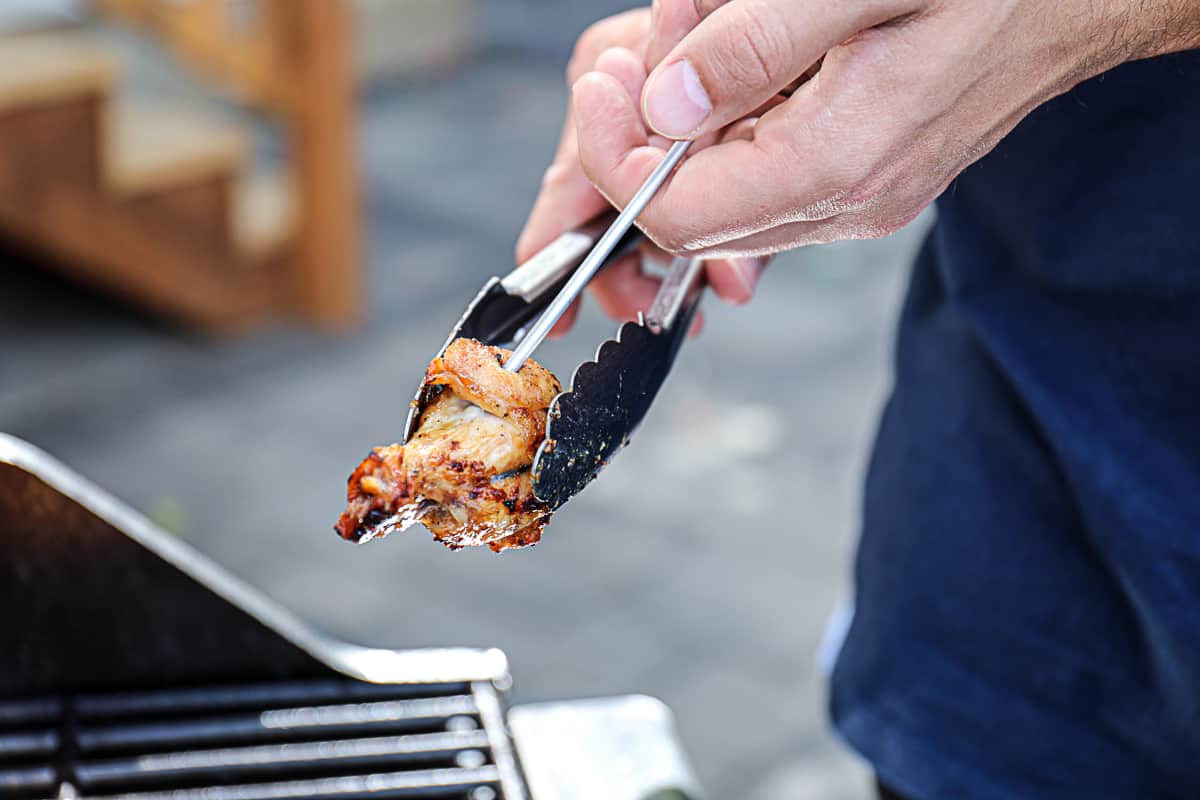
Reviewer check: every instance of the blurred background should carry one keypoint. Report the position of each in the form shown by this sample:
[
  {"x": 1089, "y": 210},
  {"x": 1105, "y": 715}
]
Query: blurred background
[{"x": 233, "y": 232}]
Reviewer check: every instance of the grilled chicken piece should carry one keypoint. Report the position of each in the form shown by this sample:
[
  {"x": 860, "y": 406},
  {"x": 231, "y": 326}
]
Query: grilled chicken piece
[{"x": 465, "y": 472}]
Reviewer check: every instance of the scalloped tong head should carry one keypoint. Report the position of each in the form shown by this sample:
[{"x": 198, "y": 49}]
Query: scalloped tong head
[{"x": 609, "y": 397}]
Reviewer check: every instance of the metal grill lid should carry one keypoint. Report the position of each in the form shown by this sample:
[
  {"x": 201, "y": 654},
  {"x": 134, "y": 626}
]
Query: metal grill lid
[{"x": 94, "y": 596}]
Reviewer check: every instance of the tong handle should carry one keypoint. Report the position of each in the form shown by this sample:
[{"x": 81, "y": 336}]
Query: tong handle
[
  {"x": 506, "y": 306},
  {"x": 597, "y": 258},
  {"x": 680, "y": 285},
  {"x": 554, "y": 262}
]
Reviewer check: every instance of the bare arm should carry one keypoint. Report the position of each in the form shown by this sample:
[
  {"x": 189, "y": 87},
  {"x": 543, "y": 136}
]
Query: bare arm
[{"x": 907, "y": 94}]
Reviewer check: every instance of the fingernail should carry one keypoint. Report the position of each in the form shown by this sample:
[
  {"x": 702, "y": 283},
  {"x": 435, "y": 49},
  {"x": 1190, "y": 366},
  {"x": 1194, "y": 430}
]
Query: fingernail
[
  {"x": 676, "y": 103},
  {"x": 747, "y": 271}
]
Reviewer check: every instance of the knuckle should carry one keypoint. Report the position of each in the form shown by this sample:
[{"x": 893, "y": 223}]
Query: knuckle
[
  {"x": 593, "y": 41},
  {"x": 753, "y": 56},
  {"x": 556, "y": 176},
  {"x": 595, "y": 37},
  {"x": 620, "y": 30},
  {"x": 706, "y": 7}
]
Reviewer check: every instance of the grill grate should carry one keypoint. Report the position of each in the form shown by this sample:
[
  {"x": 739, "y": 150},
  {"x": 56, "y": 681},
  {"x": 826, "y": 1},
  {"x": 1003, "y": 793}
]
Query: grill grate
[
  {"x": 29, "y": 740},
  {"x": 336, "y": 739}
]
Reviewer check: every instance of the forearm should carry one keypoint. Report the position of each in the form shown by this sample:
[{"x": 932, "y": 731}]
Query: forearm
[
  {"x": 1148, "y": 28},
  {"x": 908, "y": 94}
]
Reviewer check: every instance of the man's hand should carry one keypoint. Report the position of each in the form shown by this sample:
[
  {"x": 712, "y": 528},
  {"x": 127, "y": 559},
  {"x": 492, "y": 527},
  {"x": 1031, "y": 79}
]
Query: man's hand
[
  {"x": 905, "y": 95},
  {"x": 908, "y": 93},
  {"x": 622, "y": 47}
]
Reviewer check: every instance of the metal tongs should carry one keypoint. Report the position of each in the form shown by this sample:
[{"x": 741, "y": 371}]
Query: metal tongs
[{"x": 608, "y": 397}]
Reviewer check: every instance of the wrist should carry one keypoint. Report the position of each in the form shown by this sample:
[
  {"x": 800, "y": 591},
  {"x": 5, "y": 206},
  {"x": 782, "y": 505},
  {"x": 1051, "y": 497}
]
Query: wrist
[{"x": 1137, "y": 29}]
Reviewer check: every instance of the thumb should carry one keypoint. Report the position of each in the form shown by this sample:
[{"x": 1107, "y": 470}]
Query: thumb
[{"x": 740, "y": 55}]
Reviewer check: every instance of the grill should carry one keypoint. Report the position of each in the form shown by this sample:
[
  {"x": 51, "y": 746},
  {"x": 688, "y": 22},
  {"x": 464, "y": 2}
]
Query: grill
[
  {"x": 133, "y": 668},
  {"x": 324, "y": 738}
]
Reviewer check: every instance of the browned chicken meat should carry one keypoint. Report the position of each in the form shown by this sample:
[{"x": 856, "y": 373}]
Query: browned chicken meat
[{"x": 465, "y": 473}]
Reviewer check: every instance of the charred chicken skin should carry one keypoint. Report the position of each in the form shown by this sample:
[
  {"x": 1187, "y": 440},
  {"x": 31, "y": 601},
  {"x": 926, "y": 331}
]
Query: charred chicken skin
[{"x": 465, "y": 471}]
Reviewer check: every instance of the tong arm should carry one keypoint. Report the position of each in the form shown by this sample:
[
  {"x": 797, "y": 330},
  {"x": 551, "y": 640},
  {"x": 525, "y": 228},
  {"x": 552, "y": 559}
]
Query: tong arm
[
  {"x": 563, "y": 256},
  {"x": 597, "y": 259},
  {"x": 678, "y": 287}
]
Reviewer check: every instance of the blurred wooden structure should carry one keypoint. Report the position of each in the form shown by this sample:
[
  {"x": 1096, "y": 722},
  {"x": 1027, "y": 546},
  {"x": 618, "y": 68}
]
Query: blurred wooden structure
[{"x": 161, "y": 204}]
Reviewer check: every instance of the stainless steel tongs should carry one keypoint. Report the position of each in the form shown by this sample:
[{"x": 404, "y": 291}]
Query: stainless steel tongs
[{"x": 608, "y": 397}]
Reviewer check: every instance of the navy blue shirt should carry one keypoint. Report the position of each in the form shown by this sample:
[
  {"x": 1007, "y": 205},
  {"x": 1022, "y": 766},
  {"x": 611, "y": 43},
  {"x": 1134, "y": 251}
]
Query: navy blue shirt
[{"x": 1028, "y": 582}]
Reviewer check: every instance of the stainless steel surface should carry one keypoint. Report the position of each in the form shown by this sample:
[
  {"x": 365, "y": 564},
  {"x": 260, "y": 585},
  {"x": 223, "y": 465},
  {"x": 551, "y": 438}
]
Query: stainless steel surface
[
  {"x": 338, "y": 753},
  {"x": 423, "y": 783},
  {"x": 621, "y": 748},
  {"x": 134, "y": 643},
  {"x": 548, "y": 265},
  {"x": 607, "y": 400},
  {"x": 559, "y": 258},
  {"x": 595, "y": 259},
  {"x": 491, "y": 712},
  {"x": 608, "y": 397},
  {"x": 256, "y": 740},
  {"x": 272, "y": 723},
  {"x": 94, "y": 596},
  {"x": 676, "y": 289}
]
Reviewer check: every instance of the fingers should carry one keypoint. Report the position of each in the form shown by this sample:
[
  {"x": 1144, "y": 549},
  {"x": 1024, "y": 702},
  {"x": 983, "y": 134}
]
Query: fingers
[
  {"x": 719, "y": 191},
  {"x": 611, "y": 136},
  {"x": 817, "y": 155},
  {"x": 622, "y": 290},
  {"x": 566, "y": 198},
  {"x": 630, "y": 29},
  {"x": 622, "y": 64},
  {"x": 670, "y": 22},
  {"x": 565, "y": 201},
  {"x": 565, "y": 322},
  {"x": 734, "y": 280},
  {"x": 741, "y": 54}
]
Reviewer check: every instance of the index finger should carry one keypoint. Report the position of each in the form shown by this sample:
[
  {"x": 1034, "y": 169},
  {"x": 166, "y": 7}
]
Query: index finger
[
  {"x": 617, "y": 158},
  {"x": 670, "y": 22}
]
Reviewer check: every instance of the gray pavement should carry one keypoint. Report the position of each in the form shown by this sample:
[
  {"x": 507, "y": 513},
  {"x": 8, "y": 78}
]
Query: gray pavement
[{"x": 699, "y": 568}]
